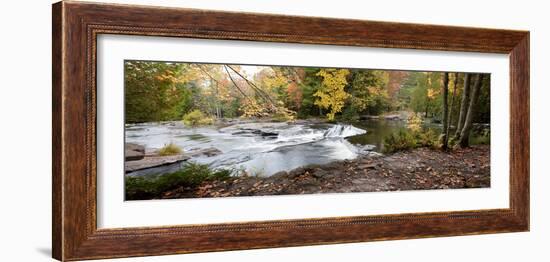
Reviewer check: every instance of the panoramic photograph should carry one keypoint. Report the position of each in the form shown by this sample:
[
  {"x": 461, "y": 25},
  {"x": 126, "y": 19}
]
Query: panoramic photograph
[{"x": 202, "y": 130}]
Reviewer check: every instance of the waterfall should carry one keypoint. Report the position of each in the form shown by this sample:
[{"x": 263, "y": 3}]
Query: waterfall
[{"x": 343, "y": 131}]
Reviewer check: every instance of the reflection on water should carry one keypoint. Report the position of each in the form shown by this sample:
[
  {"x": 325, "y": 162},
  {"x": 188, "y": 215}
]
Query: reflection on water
[{"x": 377, "y": 130}]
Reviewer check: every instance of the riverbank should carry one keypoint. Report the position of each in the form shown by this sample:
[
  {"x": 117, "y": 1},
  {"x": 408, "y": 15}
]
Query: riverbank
[{"x": 418, "y": 169}]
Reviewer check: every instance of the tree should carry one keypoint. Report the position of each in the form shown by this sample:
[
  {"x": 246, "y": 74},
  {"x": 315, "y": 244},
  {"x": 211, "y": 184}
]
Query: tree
[
  {"x": 309, "y": 85},
  {"x": 445, "y": 92},
  {"x": 395, "y": 80},
  {"x": 332, "y": 95},
  {"x": 295, "y": 96},
  {"x": 155, "y": 91},
  {"x": 465, "y": 132},
  {"x": 414, "y": 92},
  {"x": 451, "y": 106},
  {"x": 368, "y": 92},
  {"x": 426, "y": 92},
  {"x": 463, "y": 106}
]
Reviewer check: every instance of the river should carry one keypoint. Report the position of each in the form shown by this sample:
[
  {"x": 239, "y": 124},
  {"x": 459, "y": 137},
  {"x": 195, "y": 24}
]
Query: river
[{"x": 265, "y": 148}]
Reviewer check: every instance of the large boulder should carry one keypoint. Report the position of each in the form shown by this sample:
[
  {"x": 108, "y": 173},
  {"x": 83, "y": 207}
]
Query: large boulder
[{"x": 133, "y": 152}]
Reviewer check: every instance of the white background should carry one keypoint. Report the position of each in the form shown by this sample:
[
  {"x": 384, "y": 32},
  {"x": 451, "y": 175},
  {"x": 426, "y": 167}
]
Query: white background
[{"x": 25, "y": 136}]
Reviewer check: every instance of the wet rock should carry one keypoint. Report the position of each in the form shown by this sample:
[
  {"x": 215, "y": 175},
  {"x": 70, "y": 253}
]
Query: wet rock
[
  {"x": 392, "y": 117},
  {"x": 368, "y": 166},
  {"x": 279, "y": 174},
  {"x": 133, "y": 152},
  {"x": 269, "y": 134},
  {"x": 154, "y": 165},
  {"x": 208, "y": 152},
  {"x": 368, "y": 117}
]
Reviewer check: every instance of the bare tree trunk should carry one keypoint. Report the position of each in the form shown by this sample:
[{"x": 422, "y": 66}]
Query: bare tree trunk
[
  {"x": 445, "y": 110},
  {"x": 426, "y": 114},
  {"x": 235, "y": 84},
  {"x": 465, "y": 133},
  {"x": 463, "y": 106},
  {"x": 447, "y": 131},
  {"x": 258, "y": 90}
]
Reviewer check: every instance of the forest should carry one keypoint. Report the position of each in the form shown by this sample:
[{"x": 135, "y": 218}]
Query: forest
[
  {"x": 269, "y": 122},
  {"x": 160, "y": 91}
]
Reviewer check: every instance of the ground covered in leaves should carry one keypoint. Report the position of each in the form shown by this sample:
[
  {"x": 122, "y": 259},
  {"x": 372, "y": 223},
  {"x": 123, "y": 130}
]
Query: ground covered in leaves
[{"x": 417, "y": 169}]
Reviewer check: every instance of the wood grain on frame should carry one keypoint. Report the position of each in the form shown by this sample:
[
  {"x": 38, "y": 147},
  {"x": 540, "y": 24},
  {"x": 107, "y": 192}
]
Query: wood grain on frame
[{"x": 75, "y": 29}]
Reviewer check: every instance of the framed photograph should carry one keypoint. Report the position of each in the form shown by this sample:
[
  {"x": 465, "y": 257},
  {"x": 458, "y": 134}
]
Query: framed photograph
[{"x": 181, "y": 130}]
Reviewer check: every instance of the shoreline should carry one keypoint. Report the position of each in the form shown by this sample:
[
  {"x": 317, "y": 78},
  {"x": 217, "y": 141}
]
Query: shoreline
[{"x": 417, "y": 169}]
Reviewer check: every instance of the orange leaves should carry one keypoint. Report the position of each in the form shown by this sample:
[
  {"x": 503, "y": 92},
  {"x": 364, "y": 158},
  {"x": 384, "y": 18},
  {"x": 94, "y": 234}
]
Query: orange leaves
[{"x": 295, "y": 95}]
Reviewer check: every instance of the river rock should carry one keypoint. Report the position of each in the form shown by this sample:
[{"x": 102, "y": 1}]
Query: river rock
[
  {"x": 392, "y": 117},
  {"x": 368, "y": 117},
  {"x": 269, "y": 134},
  {"x": 153, "y": 164},
  {"x": 209, "y": 152},
  {"x": 133, "y": 152},
  {"x": 368, "y": 166}
]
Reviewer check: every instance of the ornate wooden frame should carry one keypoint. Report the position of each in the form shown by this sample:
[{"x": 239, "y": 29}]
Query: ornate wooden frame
[{"x": 76, "y": 26}]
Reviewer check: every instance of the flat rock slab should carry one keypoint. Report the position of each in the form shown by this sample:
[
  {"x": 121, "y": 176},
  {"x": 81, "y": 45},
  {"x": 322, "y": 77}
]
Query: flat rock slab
[
  {"x": 153, "y": 161},
  {"x": 155, "y": 164}
]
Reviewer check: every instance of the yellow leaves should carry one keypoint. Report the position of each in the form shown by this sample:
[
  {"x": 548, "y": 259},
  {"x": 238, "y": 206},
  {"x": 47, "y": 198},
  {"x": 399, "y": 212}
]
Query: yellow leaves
[
  {"x": 383, "y": 77},
  {"x": 178, "y": 76},
  {"x": 223, "y": 93},
  {"x": 414, "y": 122},
  {"x": 359, "y": 103},
  {"x": 274, "y": 81},
  {"x": 452, "y": 82},
  {"x": 378, "y": 91},
  {"x": 332, "y": 94},
  {"x": 432, "y": 90},
  {"x": 432, "y": 93},
  {"x": 251, "y": 108}
]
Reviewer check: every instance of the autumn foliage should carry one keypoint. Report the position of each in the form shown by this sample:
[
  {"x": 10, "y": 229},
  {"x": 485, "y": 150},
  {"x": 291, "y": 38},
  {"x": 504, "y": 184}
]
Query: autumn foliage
[{"x": 201, "y": 93}]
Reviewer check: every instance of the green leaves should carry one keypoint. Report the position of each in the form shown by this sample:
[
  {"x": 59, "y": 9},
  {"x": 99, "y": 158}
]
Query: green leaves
[
  {"x": 154, "y": 91},
  {"x": 191, "y": 176},
  {"x": 197, "y": 118}
]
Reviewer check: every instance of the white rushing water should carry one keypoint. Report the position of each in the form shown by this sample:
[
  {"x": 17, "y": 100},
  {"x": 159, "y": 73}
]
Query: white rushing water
[
  {"x": 343, "y": 131},
  {"x": 257, "y": 148}
]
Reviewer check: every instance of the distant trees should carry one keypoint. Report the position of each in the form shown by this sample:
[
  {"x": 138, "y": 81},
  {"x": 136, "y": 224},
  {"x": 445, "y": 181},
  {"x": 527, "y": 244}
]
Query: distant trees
[
  {"x": 159, "y": 91},
  {"x": 368, "y": 92},
  {"x": 156, "y": 91},
  {"x": 424, "y": 90}
]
